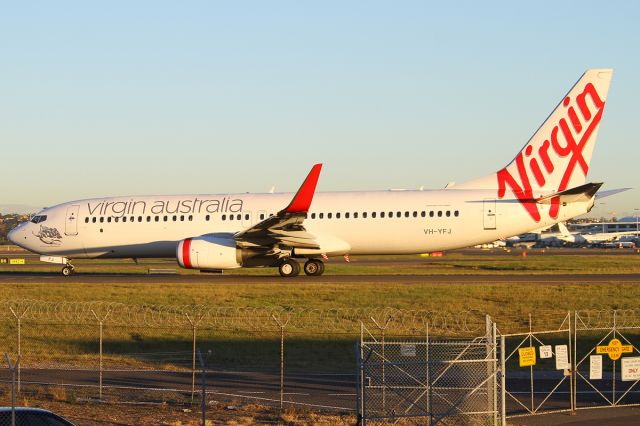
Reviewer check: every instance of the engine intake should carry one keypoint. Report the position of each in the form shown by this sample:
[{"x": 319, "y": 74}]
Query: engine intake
[{"x": 209, "y": 252}]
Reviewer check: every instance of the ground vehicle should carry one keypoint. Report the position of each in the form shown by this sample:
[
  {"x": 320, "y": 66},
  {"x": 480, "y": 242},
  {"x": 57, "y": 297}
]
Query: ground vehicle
[{"x": 27, "y": 416}]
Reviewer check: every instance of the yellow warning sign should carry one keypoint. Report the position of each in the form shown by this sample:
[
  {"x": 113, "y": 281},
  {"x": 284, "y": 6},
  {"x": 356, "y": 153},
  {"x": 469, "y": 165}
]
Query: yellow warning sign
[
  {"x": 527, "y": 356},
  {"x": 16, "y": 262},
  {"x": 615, "y": 349}
]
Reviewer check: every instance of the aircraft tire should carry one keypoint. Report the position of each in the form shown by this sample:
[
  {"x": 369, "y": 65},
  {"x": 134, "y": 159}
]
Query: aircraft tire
[
  {"x": 314, "y": 267},
  {"x": 67, "y": 270},
  {"x": 289, "y": 268}
]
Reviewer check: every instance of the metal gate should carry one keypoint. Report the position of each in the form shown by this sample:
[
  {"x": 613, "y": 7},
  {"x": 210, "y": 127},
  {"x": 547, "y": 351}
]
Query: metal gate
[
  {"x": 538, "y": 368},
  {"x": 607, "y": 358},
  {"x": 430, "y": 381}
]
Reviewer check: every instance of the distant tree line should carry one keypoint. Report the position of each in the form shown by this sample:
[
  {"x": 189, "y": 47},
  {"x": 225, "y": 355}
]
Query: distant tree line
[{"x": 8, "y": 222}]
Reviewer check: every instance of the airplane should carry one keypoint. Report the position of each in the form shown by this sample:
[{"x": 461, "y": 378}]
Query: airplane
[
  {"x": 544, "y": 184},
  {"x": 590, "y": 238}
]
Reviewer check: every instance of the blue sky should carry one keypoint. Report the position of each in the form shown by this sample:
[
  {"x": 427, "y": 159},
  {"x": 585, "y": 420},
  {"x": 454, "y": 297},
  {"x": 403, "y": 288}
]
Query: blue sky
[{"x": 119, "y": 98}]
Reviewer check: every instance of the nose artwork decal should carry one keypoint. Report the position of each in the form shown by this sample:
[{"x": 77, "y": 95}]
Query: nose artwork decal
[{"x": 50, "y": 236}]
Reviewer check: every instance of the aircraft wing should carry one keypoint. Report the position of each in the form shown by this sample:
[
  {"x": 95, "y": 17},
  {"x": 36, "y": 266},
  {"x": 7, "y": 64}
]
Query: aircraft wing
[{"x": 286, "y": 227}]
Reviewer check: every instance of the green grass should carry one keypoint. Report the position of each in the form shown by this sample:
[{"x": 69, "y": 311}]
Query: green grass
[{"x": 322, "y": 346}]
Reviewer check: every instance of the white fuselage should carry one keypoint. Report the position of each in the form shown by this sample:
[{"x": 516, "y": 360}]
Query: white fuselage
[{"x": 376, "y": 222}]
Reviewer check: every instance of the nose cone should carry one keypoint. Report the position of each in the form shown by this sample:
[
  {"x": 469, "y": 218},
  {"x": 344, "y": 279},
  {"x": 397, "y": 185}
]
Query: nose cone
[
  {"x": 17, "y": 236},
  {"x": 12, "y": 236}
]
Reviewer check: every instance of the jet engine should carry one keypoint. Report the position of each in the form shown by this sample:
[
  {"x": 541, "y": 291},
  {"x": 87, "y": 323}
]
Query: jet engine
[{"x": 209, "y": 252}]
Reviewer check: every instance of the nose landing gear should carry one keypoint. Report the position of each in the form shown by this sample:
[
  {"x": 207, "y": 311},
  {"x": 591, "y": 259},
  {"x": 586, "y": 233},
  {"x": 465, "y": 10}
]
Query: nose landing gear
[{"x": 67, "y": 270}]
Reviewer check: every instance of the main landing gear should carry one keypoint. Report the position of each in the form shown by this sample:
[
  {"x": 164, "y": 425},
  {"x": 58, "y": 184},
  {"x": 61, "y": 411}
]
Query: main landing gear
[
  {"x": 67, "y": 270},
  {"x": 291, "y": 268},
  {"x": 314, "y": 267}
]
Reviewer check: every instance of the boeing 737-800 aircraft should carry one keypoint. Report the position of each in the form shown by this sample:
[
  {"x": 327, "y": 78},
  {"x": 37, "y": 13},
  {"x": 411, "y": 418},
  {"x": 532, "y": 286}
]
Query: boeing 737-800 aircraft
[{"x": 543, "y": 185}]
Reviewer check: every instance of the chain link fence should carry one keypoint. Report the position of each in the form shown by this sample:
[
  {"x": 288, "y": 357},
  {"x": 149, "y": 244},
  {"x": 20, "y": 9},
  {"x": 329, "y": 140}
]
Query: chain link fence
[{"x": 305, "y": 357}]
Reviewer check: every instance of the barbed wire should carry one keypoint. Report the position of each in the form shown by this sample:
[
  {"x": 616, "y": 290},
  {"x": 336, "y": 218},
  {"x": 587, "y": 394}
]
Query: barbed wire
[
  {"x": 607, "y": 318},
  {"x": 327, "y": 320}
]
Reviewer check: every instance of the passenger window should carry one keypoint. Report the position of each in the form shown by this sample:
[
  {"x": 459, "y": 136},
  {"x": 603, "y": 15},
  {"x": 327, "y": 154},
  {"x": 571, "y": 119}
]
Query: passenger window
[
  {"x": 207, "y": 217},
  {"x": 321, "y": 215},
  {"x": 101, "y": 219},
  {"x": 398, "y": 214},
  {"x": 93, "y": 220},
  {"x": 86, "y": 220},
  {"x": 355, "y": 215},
  {"x": 139, "y": 218},
  {"x": 456, "y": 213},
  {"x": 439, "y": 213},
  {"x": 406, "y": 214},
  {"x": 246, "y": 217},
  {"x": 148, "y": 218},
  {"x": 109, "y": 219},
  {"x": 431, "y": 213},
  {"x": 124, "y": 218},
  {"x": 390, "y": 215},
  {"x": 313, "y": 215},
  {"x": 382, "y": 215},
  {"x": 346, "y": 215},
  {"x": 373, "y": 215},
  {"x": 116, "y": 219},
  {"x": 448, "y": 213},
  {"x": 337, "y": 215},
  {"x": 132, "y": 219},
  {"x": 182, "y": 218},
  {"x": 238, "y": 217},
  {"x": 423, "y": 213},
  {"x": 166, "y": 218},
  {"x": 262, "y": 216},
  {"x": 224, "y": 217},
  {"x": 190, "y": 218},
  {"x": 415, "y": 214},
  {"x": 230, "y": 217},
  {"x": 174, "y": 218},
  {"x": 364, "y": 215},
  {"x": 329, "y": 215}
]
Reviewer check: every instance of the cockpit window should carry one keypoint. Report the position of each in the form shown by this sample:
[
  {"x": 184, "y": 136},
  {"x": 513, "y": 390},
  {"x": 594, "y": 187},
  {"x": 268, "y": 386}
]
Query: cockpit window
[{"x": 39, "y": 218}]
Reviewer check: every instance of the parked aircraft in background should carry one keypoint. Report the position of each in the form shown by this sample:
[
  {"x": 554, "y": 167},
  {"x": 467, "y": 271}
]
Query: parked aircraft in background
[
  {"x": 544, "y": 184},
  {"x": 590, "y": 238}
]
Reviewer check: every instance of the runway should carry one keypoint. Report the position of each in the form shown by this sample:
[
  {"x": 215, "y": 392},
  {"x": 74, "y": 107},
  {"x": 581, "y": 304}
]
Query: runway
[{"x": 273, "y": 278}]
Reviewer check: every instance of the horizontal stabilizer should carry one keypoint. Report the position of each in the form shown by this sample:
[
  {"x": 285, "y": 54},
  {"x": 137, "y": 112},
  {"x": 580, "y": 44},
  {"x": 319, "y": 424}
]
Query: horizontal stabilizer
[
  {"x": 579, "y": 193},
  {"x": 610, "y": 192}
]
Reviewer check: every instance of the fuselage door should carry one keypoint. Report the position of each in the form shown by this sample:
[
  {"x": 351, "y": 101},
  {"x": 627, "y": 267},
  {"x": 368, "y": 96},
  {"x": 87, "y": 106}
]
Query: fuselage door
[
  {"x": 489, "y": 216},
  {"x": 71, "y": 222}
]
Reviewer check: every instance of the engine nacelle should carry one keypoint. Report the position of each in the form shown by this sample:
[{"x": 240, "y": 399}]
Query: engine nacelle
[{"x": 209, "y": 252}]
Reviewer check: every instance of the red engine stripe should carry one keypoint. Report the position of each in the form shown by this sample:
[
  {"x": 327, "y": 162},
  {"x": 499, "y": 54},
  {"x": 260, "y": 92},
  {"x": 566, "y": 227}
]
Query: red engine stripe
[{"x": 186, "y": 253}]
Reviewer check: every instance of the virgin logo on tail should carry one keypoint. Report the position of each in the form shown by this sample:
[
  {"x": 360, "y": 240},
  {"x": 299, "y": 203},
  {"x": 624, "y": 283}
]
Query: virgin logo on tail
[{"x": 568, "y": 138}]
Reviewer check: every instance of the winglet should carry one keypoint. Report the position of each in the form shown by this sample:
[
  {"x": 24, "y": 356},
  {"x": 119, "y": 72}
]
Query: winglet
[{"x": 302, "y": 200}]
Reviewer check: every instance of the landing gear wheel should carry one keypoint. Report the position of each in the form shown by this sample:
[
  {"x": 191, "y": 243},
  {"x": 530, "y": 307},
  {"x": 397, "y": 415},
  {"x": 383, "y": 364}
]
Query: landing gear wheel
[
  {"x": 314, "y": 267},
  {"x": 289, "y": 268},
  {"x": 67, "y": 270}
]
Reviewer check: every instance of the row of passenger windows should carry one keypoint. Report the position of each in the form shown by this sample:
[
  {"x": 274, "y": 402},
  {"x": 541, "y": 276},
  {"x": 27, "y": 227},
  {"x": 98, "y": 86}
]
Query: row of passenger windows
[
  {"x": 355, "y": 215},
  {"x": 338, "y": 215}
]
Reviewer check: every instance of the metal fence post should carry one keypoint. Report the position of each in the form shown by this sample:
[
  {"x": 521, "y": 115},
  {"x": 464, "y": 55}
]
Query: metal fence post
[
  {"x": 13, "y": 368},
  {"x": 384, "y": 378},
  {"x": 282, "y": 326},
  {"x": 101, "y": 324},
  {"x": 19, "y": 320},
  {"x": 204, "y": 389},
  {"x": 194, "y": 324},
  {"x": 358, "y": 381},
  {"x": 572, "y": 367},
  {"x": 503, "y": 380}
]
